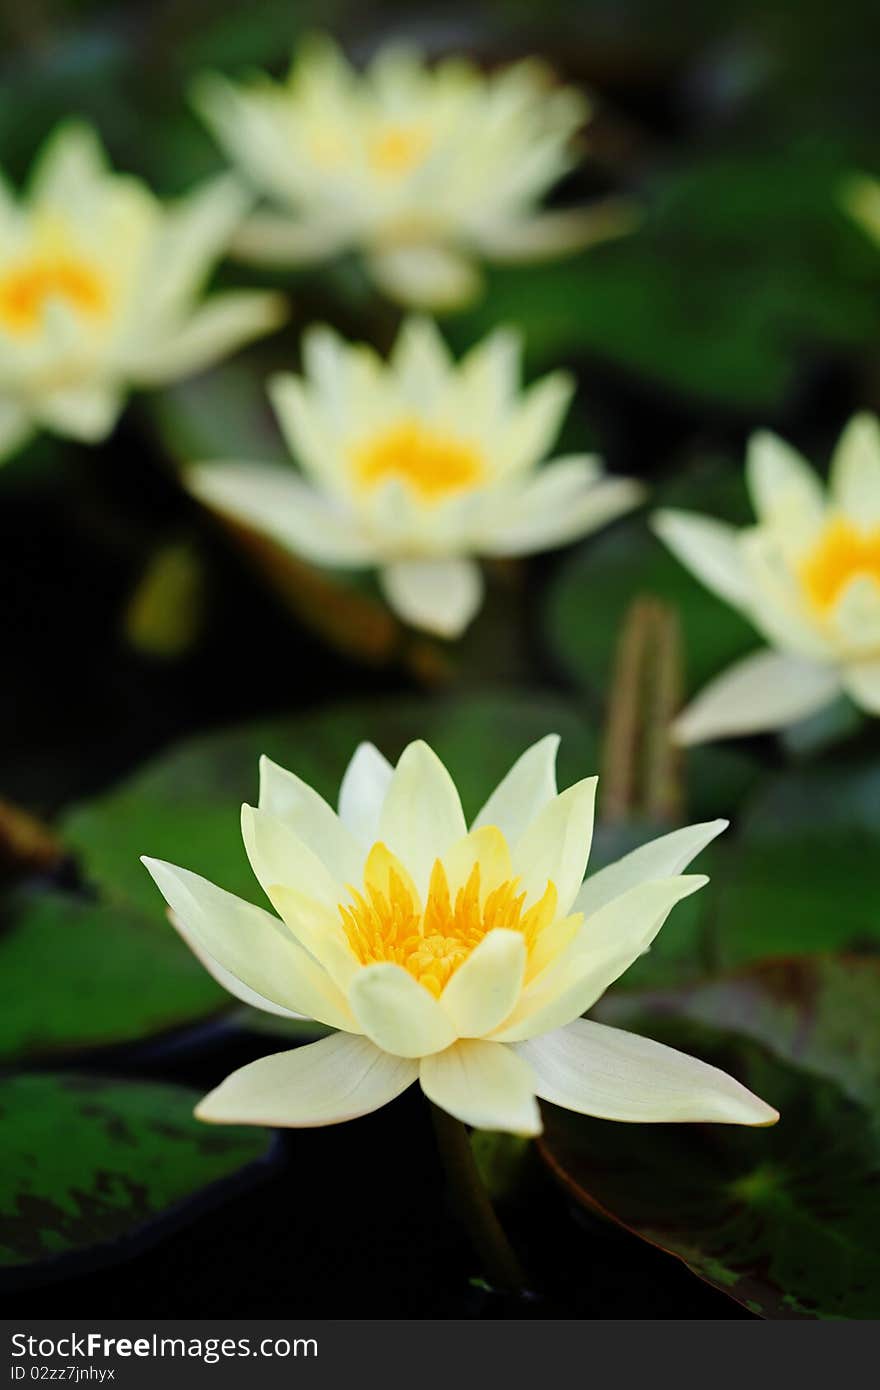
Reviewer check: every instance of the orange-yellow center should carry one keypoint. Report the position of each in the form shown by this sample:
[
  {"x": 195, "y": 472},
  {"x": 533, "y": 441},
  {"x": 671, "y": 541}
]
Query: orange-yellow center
[
  {"x": 26, "y": 289},
  {"x": 387, "y": 922},
  {"x": 434, "y": 465},
  {"x": 397, "y": 149},
  {"x": 842, "y": 554}
]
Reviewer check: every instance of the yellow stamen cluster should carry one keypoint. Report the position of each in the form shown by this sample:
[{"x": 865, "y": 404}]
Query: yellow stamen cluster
[
  {"x": 398, "y": 149},
  {"x": 842, "y": 554},
  {"x": 389, "y": 924},
  {"x": 433, "y": 464},
  {"x": 26, "y": 289}
]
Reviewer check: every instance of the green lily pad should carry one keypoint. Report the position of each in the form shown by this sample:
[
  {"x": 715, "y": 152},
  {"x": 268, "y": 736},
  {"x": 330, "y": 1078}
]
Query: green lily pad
[
  {"x": 82, "y": 974},
  {"x": 90, "y": 1163},
  {"x": 785, "y": 1220}
]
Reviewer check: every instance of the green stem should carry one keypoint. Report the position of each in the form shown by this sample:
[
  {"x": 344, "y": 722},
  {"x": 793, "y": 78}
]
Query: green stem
[{"x": 472, "y": 1204}]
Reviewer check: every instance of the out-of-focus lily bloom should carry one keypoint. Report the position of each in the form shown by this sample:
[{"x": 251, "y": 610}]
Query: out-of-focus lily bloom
[
  {"x": 459, "y": 958},
  {"x": 426, "y": 170},
  {"x": 416, "y": 466},
  {"x": 807, "y": 576},
  {"x": 99, "y": 290}
]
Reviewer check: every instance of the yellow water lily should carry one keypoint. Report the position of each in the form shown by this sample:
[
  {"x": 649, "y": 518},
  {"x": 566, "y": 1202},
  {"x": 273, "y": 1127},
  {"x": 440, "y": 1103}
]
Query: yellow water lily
[
  {"x": 461, "y": 958},
  {"x": 416, "y": 466},
  {"x": 100, "y": 290},
  {"x": 425, "y": 170},
  {"x": 807, "y": 576}
]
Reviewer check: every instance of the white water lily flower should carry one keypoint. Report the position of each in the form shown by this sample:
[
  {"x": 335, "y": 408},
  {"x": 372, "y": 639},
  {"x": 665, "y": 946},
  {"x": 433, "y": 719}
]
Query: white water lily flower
[
  {"x": 459, "y": 958},
  {"x": 807, "y": 576},
  {"x": 424, "y": 170},
  {"x": 416, "y": 466},
  {"x": 99, "y": 290}
]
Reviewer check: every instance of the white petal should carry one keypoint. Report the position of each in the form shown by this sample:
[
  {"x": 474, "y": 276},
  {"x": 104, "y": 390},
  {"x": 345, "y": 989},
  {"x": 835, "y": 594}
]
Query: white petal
[
  {"x": 289, "y": 799},
  {"x": 783, "y": 486},
  {"x": 251, "y": 944},
  {"x": 212, "y": 331},
  {"x": 527, "y": 788},
  {"x": 83, "y": 412},
  {"x": 422, "y": 816},
  {"x": 438, "y": 596},
  {"x": 556, "y": 845},
  {"x": 535, "y": 422},
  {"x": 70, "y": 165},
  {"x": 421, "y": 362},
  {"x": 561, "y": 503},
  {"x": 861, "y": 681},
  {"x": 606, "y": 1072},
  {"x": 15, "y": 428},
  {"x": 324, "y": 1083},
  {"x": 607, "y": 944},
  {"x": 483, "y": 1084},
  {"x": 855, "y": 471},
  {"x": 193, "y": 234},
  {"x": 362, "y": 793},
  {"x": 665, "y": 857},
  {"x": 280, "y": 857},
  {"x": 767, "y": 690},
  {"x": 428, "y": 277},
  {"x": 276, "y": 501},
  {"x": 855, "y": 617},
  {"x": 398, "y": 1013},
  {"x": 558, "y": 232},
  {"x": 272, "y": 239},
  {"x": 483, "y": 990},
  {"x": 709, "y": 549},
  {"x": 231, "y": 983}
]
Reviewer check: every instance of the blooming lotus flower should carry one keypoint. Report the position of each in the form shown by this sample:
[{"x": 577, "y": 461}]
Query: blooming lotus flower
[
  {"x": 807, "y": 576},
  {"x": 99, "y": 289},
  {"x": 459, "y": 958},
  {"x": 416, "y": 466},
  {"x": 424, "y": 170}
]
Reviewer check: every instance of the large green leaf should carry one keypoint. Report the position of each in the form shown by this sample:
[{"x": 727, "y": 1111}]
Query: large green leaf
[
  {"x": 81, "y": 973},
  {"x": 90, "y": 1162},
  {"x": 185, "y": 806},
  {"x": 785, "y": 1220}
]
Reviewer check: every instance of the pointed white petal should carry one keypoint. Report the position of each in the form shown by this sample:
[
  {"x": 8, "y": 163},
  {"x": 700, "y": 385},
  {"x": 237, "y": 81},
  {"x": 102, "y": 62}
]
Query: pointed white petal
[
  {"x": 556, "y": 846},
  {"x": 483, "y": 1084},
  {"x": 855, "y": 471},
  {"x": 83, "y": 412},
  {"x": 558, "y": 232},
  {"x": 439, "y": 596},
  {"x": 483, "y": 990},
  {"x": 291, "y": 800},
  {"x": 428, "y": 277},
  {"x": 324, "y": 1083},
  {"x": 665, "y": 857},
  {"x": 276, "y": 240},
  {"x": 783, "y": 486},
  {"x": 15, "y": 428},
  {"x": 596, "y": 1070},
  {"x": 276, "y": 501},
  {"x": 561, "y": 503},
  {"x": 422, "y": 816},
  {"x": 231, "y": 983},
  {"x": 767, "y": 690},
  {"x": 709, "y": 549},
  {"x": 398, "y": 1013},
  {"x": 362, "y": 793},
  {"x": 861, "y": 681},
  {"x": 212, "y": 331},
  {"x": 527, "y": 788},
  {"x": 535, "y": 422},
  {"x": 251, "y": 944},
  {"x": 606, "y": 945}
]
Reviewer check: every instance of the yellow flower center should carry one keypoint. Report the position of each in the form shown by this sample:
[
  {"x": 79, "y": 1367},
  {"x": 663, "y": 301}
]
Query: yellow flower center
[
  {"x": 435, "y": 465},
  {"x": 26, "y": 289},
  {"x": 398, "y": 149},
  {"x": 386, "y": 922},
  {"x": 842, "y": 554}
]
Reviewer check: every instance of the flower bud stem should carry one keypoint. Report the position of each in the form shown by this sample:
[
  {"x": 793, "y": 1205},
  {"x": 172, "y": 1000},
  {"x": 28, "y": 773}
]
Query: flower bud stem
[{"x": 472, "y": 1204}]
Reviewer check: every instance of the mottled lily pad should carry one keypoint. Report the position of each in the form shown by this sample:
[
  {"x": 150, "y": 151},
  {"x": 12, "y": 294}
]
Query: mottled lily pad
[
  {"x": 92, "y": 1164},
  {"x": 785, "y": 1220}
]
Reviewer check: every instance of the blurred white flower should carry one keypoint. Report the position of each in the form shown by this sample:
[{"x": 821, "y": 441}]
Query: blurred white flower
[
  {"x": 459, "y": 958},
  {"x": 416, "y": 466},
  {"x": 807, "y": 576},
  {"x": 99, "y": 290},
  {"x": 426, "y": 170}
]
